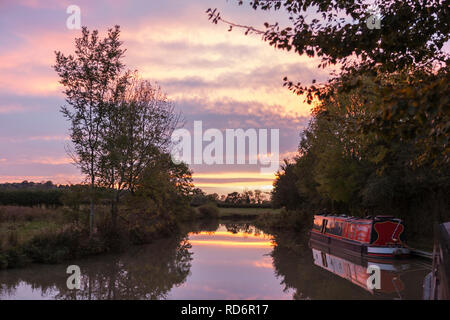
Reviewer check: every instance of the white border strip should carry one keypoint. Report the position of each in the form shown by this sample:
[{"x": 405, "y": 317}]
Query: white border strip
[{"x": 388, "y": 250}]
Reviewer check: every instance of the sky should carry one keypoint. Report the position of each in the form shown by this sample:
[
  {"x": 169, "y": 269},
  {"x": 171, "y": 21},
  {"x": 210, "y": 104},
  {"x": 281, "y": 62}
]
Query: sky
[{"x": 225, "y": 79}]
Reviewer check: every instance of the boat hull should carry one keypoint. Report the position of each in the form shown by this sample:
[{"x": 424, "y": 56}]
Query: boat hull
[{"x": 358, "y": 248}]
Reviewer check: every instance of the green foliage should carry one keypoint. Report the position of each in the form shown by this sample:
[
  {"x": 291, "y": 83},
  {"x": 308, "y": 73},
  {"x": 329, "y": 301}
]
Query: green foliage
[
  {"x": 412, "y": 32},
  {"x": 198, "y": 197},
  {"x": 163, "y": 187},
  {"x": 245, "y": 199},
  {"x": 295, "y": 220},
  {"x": 89, "y": 79},
  {"x": 413, "y": 110},
  {"x": 364, "y": 154},
  {"x": 76, "y": 196},
  {"x": 285, "y": 192},
  {"x": 92, "y": 79},
  {"x": 121, "y": 128},
  {"x": 378, "y": 142},
  {"x": 208, "y": 210},
  {"x": 55, "y": 247}
]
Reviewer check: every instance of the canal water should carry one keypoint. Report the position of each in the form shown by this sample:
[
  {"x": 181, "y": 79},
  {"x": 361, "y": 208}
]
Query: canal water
[{"x": 220, "y": 261}]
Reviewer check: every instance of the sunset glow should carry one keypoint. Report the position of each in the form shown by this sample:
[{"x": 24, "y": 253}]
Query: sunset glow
[{"x": 226, "y": 79}]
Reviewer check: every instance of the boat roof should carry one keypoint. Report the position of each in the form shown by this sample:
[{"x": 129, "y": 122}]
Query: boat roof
[{"x": 360, "y": 219}]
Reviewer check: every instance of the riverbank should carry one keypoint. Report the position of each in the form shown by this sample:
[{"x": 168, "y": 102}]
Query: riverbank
[
  {"x": 53, "y": 235},
  {"x": 50, "y": 236},
  {"x": 284, "y": 220},
  {"x": 232, "y": 252},
  {"x": 41, "y": 235}
]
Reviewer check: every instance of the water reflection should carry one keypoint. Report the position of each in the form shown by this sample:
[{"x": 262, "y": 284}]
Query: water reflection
[
  {"x": 233, "y": 262},
  {"x": 322, "y": 273},
  {"x": 354, "y": 270},
  {"x": 212, "y": 261},
  {"x": 148, "y": 272}
]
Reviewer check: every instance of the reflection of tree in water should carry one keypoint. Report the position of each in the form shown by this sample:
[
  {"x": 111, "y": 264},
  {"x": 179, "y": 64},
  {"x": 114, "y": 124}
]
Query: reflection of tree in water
[
  {"x": 247, "y": 228},
  {"x": 294, "y": 266},
  {"x": 203, "y": 225},
  {"x": 146, "y": 272}
]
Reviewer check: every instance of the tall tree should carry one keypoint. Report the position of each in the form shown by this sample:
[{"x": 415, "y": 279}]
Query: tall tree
[
  {"x": 138, "y": 127},
  {"x": 284, "y": 192},
  {"x": 89, "y": 76}
]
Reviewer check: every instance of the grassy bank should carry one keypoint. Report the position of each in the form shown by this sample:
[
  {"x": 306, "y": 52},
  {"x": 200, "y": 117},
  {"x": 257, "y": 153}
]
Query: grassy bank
[
  {"x": 53, "y": 235},
  {"x": 37, "y": 235}
]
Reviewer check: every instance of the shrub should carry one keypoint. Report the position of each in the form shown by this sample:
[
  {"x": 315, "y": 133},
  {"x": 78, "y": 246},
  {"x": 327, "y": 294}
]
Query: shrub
[
  {"x": 3, "y": 261},
  {"x": 13, "y": 258},
  {"x": 287, "y": 220},
  {"x": 187, "y": 214},
  {"x": 208, "y": 210},
  {"x": 55, "y": 247}
]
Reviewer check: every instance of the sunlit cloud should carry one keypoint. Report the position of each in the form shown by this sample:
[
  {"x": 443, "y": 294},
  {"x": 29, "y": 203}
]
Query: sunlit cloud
[
  {"x": 57, "y": 178},
  {"x": 265, "y": 263},
  {"x": 50, "y": 160},
  {"x": 227, "y": 79},
  {"x": 11, "y": 109},
  {"x": 42, "y": 160},
  {"x": 35, "y": 138}
]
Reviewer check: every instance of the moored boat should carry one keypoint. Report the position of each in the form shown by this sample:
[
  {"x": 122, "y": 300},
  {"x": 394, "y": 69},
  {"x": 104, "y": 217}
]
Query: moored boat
[{"x": 374, "y": 237}]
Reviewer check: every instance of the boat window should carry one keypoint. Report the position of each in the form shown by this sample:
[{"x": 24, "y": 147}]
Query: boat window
[
  {"x": 330, "y": 226},
  {"x": 335, "y": 228},
  {"x": 317, "y": 224}
]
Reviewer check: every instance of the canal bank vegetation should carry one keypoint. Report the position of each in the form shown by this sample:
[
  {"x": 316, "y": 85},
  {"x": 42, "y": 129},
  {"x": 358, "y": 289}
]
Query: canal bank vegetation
[
  {"x": 284, "y": 220},
  {"x": 52, "y": 235},
  {"x": 159, "y": 208},
  {"x": 378, "y": 140},
  {"x": 120, "y": 129},
  {"x": 380, "y": 148},
  {"x": 141, "y": 273}
]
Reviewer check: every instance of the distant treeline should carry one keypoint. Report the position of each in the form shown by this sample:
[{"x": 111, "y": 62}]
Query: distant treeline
[
  {"x": 245, "y": 199},
  {"x": 29, "y": 185},
  {"x": 31, "y": 198},
  {"x": 32, "y": 194}
]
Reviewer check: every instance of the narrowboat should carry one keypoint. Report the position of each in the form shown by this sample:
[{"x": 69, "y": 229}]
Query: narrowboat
[{"x": 372, "y": 237}]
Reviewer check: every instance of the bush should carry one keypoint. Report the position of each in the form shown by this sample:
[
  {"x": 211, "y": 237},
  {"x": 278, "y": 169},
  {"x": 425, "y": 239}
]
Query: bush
[
  {"x": 55, "y": 247},
  {"x": 3, "y": 261},
  {"x": 13, "y": 258},
  {"x": 186, "y": 214},
  {"x": 296, "y": 220},
  {"x": 208, "y": 210}
]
